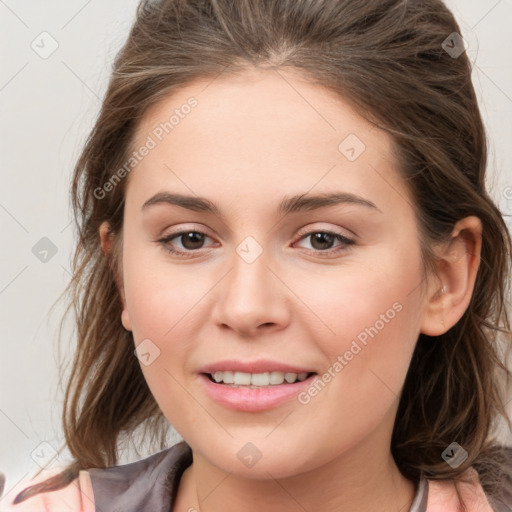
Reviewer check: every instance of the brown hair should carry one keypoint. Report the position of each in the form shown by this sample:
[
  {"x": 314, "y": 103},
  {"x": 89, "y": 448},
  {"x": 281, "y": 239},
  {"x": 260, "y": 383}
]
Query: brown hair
[{"x": 387, "y": 58}]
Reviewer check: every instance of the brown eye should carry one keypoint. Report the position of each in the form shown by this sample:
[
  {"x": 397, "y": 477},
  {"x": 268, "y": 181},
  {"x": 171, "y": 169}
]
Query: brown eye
[
  {"x": 190, "y": 241},
  {"x": 322, "y": 241}
]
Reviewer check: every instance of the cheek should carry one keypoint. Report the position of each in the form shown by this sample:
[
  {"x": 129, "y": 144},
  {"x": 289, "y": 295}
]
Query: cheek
[
  {"x": 161, "y": 297},
  {"x": 370, "y": 324},
  {"x": 366, "y": 299},
  {"x": 167, "y": 307},
  {"x": 162, "y": 310}
]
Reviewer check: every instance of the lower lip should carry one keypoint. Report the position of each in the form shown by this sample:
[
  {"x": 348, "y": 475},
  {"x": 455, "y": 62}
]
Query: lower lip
[{"x": 252, "y": 400}]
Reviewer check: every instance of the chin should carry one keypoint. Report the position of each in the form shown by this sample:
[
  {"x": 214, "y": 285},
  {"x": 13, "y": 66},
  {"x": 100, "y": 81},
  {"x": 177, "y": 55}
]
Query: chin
[{"x": 259, "y": 460}]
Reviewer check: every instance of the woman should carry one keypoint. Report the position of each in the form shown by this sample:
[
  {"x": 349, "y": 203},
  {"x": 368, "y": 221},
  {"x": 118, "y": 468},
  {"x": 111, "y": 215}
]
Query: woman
[{"x": 282, "y": 209}]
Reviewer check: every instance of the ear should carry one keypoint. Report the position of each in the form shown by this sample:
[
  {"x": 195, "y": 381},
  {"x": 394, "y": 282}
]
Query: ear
[
  {"x": 106, "y": 240},
  {"x": 449, "y": 291}
]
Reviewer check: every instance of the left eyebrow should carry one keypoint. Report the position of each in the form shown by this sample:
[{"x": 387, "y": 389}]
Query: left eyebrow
[
  {"x": 297, "y": 203},
  {"x": 303, "y": 202}
]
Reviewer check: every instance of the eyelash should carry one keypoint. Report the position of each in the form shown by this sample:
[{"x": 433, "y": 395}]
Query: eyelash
[{"x": 347, "y": 242}]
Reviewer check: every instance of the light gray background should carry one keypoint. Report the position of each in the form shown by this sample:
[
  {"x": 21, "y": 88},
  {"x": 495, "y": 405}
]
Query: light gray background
[{"x": 47, "y": 107}]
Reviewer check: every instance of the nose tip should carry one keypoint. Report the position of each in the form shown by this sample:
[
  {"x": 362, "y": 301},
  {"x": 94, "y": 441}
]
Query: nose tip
[{"x": 251, "y": 299}]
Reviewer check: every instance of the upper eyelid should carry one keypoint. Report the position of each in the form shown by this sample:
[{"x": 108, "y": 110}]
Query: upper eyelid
[
  {"x": 301, "y": 233},
  {"x": 336, "y": 231}
]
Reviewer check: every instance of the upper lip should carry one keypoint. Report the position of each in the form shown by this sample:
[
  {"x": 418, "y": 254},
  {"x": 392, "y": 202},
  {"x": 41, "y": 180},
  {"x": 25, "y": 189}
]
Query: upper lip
[{"x": 260, "y": 366}]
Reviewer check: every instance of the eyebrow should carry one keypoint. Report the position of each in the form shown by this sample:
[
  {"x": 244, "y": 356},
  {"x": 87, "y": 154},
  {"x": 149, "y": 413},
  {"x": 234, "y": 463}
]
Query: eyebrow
[{"x": 297, "y": 203}]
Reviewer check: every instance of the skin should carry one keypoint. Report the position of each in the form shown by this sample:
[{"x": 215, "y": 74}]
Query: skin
[{"x": 292, "y": 304}]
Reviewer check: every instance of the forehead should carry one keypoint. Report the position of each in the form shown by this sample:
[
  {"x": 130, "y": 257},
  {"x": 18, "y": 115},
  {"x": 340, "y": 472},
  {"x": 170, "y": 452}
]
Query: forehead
[{"x": 262, "y": 131}]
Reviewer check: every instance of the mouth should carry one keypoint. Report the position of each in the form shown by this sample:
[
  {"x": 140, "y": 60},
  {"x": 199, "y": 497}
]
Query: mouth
[
  {"x": 253, "y": 386},
  {"x": 234, "y": 379},
  {"x": 255, "y": 392}
]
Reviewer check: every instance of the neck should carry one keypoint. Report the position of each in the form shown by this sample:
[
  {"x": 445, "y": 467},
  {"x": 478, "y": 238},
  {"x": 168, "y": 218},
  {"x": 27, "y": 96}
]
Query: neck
[{"x": 366, "y": 480}]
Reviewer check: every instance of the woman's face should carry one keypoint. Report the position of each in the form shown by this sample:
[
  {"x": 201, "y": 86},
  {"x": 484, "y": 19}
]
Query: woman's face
[{"x": 309, "y": 264}]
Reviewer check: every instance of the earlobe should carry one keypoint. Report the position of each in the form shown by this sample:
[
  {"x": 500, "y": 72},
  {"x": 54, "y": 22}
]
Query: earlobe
[
  {"x": 125, "y": 316},
  {"x": 449, "y": 291},
  {"x": 125, "y": 319}
]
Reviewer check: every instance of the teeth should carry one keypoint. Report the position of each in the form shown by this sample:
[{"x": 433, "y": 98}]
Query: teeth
[
  {"x": 276, "y": 378},
  {"x": 290, "y": 377},
  {"x": 242, "y": 379},
  {"x": 257, "y": 379}
]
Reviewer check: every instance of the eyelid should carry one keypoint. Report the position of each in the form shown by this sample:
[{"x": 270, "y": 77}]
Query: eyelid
[
  {"x": 186, "y": 228},
  {"x": 349, "y": 235}
]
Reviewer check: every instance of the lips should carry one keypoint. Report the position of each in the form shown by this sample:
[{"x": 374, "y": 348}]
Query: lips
[
  {"x": 276, "y": 383},
  {"x": 254, "y": 398}
]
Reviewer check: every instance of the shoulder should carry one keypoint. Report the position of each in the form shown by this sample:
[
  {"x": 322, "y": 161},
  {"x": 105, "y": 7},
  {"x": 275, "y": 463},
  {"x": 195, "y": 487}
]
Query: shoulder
[
  {"x": 138, "y": 486},
  {"x": 144, "y": 485},
  {"x": 443, "y": 494},
  {"x": 76, "y": 496}
]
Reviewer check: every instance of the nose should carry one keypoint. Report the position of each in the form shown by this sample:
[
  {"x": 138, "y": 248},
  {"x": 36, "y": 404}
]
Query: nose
[{"x": 251, "y": 298}]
